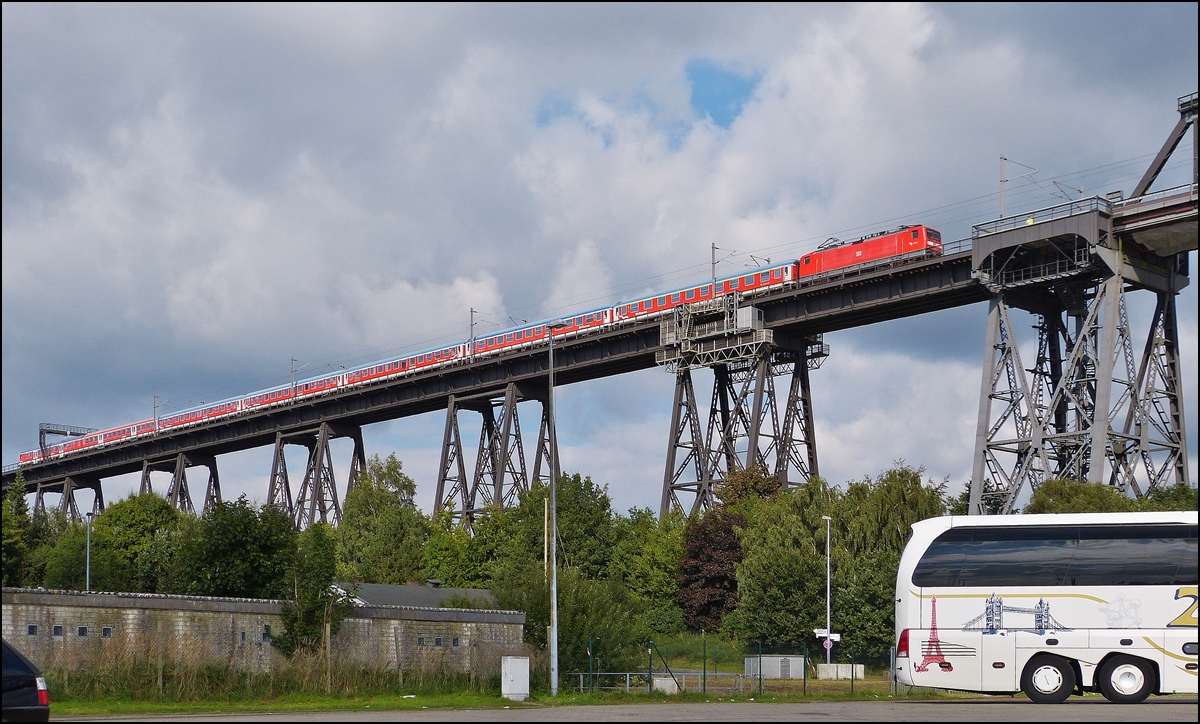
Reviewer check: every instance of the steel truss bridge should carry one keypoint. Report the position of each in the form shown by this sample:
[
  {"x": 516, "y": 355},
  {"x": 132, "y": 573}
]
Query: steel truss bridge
[{"x": 1101, "y": 401}]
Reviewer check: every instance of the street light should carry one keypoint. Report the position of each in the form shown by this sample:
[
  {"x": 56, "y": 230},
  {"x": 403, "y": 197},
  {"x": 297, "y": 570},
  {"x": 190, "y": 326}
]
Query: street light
[
  {"x": 87, "y": 585},
  {"x": 550, "y": 328},
  {"x": 828, "y": 625}
]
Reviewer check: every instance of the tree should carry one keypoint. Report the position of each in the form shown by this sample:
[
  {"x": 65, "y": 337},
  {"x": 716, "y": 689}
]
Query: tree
[
  {"x": 66, "y": 563},
  {"x": 708, "y": 585},
  {"x": 586, "y": 526},
  {"x": 16, "y": 526},
  {"x": 382, "y": 533},
  {"x": 45, "y": 530},
  {"x": 595, "y": 610},
  {"x": 781, "y": 579},
  {"x": 311, "y": 599},
  {"x": 1063, "y": 495},
  {"x": 1173, "y": 497},
  {"x": 125, "y": 533},
  {"x": 646, "y": 559},
  {"x": 234, "y": 550},
  {"x": 447, "y": 553},
  {"x": 753, "y": 483}
]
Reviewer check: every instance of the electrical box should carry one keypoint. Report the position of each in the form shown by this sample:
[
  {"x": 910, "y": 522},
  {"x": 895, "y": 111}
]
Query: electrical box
[
  {"x": 514, "y": 677},
  {"x": 776, "y": 667},
  {"x": 749, "y": 318}
]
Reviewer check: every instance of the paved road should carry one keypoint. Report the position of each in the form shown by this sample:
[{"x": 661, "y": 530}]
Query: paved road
[{"x": 1017, "y": 710}]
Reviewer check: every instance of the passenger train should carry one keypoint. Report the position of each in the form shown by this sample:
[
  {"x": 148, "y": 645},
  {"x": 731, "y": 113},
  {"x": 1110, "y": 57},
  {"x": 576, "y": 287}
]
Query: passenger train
[{"x": 831, "y": 260}]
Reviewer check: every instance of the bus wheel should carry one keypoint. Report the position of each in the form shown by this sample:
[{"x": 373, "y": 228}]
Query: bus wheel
[
  {"x": 1048, "y": 679},
  {"x": 1127, "y": 680}
]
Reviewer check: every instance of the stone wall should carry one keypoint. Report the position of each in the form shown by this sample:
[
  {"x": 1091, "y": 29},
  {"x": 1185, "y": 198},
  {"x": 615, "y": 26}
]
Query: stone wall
[{"x": 57, "y": 629}]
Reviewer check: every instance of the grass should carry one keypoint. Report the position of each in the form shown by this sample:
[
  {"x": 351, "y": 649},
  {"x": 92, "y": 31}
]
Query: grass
[{"x": 776, "y": 692}]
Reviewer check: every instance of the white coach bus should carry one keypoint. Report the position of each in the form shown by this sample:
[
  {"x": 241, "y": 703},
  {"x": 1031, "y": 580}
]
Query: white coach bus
[{"x": 1050, "y": 605}]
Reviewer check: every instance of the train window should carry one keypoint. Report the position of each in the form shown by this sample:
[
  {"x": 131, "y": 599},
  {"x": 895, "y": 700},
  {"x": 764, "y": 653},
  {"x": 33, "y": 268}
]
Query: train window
[
  {"x": 690, "y": 295},
  {"x": 675, "y": 298},
  {"x": 915, "y": 233},
  {"x": 661, "y": 301}
]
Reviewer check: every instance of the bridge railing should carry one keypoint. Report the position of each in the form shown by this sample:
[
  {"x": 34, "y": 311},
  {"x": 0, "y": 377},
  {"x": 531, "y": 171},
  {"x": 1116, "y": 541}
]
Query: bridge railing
[
  {"x": 1050, "y": 213},
  {"x": 1157, "y": 195},
  {"x": 957, "y": 246}
]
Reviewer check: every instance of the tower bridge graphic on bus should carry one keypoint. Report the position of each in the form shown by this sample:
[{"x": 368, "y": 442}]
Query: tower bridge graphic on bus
[{"x": 992, "y": 619}]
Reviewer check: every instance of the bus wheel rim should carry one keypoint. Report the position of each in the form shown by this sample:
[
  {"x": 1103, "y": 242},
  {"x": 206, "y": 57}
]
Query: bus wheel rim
[
  {"x": 1047, "y": 679},
  {"x": 1127, "y": 679}
]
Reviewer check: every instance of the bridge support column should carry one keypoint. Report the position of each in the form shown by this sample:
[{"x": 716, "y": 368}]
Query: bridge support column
[
  {"x": 1154, "y": 422},
  {"x": 500, "y": 474},
  {"x": 317, "y": 500},
  {"x": 686, "y": 436},
  {"x": 547, "y": 442},
  {"x": 178, "y": 494},
  {"x": 452, "y": 470},
  {"x": 744, "y": 427},
  {"x": 67, "y": 503},
  {"x": 279, "y": 491},
  {"x": 798, "y": 428},
  {"x": 1095, "y": 415}
]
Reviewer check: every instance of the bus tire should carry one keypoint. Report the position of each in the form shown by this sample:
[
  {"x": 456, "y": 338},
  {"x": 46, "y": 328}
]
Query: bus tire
[
  {"x": 1048, "y": 679},
  {"x": 1127, "y": 680}
]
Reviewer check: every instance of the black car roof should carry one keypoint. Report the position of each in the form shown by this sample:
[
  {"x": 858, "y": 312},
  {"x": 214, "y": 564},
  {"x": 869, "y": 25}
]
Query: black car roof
[{"x": 9, "y": 648}]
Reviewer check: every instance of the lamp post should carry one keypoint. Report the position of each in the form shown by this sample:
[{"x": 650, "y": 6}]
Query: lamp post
[
  {"x": 550, "y": 328},
  {"x": 828, "y": 625},
  {"x": 87, "y": 585}
]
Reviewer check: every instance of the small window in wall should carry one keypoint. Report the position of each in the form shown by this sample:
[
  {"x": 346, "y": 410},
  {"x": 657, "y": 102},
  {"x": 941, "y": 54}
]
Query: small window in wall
[
  {"x": 243, "y": 637},
  {"x": 266, "y": 634},
  {"x": 454, "y": 642},
  {"x": 57, "y": 630},
  {"x": 437, "y": 640},
  {"x": 31, "y": 629},
  {"x": 420, "y": 641},
  {"x": 81, "y": 631},
  {"x": 106, "y": 632}
]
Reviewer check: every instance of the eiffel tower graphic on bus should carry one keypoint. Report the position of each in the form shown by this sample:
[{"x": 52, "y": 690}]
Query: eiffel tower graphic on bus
[{"x": 933, "y": 649}]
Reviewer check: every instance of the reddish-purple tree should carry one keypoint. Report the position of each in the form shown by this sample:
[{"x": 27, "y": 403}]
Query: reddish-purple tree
[{"x": 707, "y": 580}]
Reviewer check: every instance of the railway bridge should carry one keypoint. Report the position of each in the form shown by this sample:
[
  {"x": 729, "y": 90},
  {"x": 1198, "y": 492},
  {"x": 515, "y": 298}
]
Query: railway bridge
[{"x": 1102, "y": 401}]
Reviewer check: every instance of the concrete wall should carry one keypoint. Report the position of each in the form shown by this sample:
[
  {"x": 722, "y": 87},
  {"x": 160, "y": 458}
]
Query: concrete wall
[{"x": 197, "y": 629}]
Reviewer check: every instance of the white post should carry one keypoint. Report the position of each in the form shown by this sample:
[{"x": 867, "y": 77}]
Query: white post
[
  {"x": 553, "y": 643},
  {"x": 87, "y": 586},
  {"x": 828, "y": 588},
  {"x": 1002, "y": 182}
]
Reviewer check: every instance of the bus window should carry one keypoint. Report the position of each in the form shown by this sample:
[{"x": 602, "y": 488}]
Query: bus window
[{"x": 1060, "y": 556}]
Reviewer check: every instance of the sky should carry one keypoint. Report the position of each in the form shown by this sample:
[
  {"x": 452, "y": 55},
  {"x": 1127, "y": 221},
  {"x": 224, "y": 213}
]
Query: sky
[{"x": 195, "y": 194}]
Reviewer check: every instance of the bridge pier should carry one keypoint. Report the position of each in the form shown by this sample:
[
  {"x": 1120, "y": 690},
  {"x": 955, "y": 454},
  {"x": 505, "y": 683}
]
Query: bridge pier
[
  {"x": 744, "y": 428},
  {"x": 500, "y": 473},
  {"x": 178, "y": 493},
  {"x": 1086, "y": 409},
  {"x": 317, "y": 498}
]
